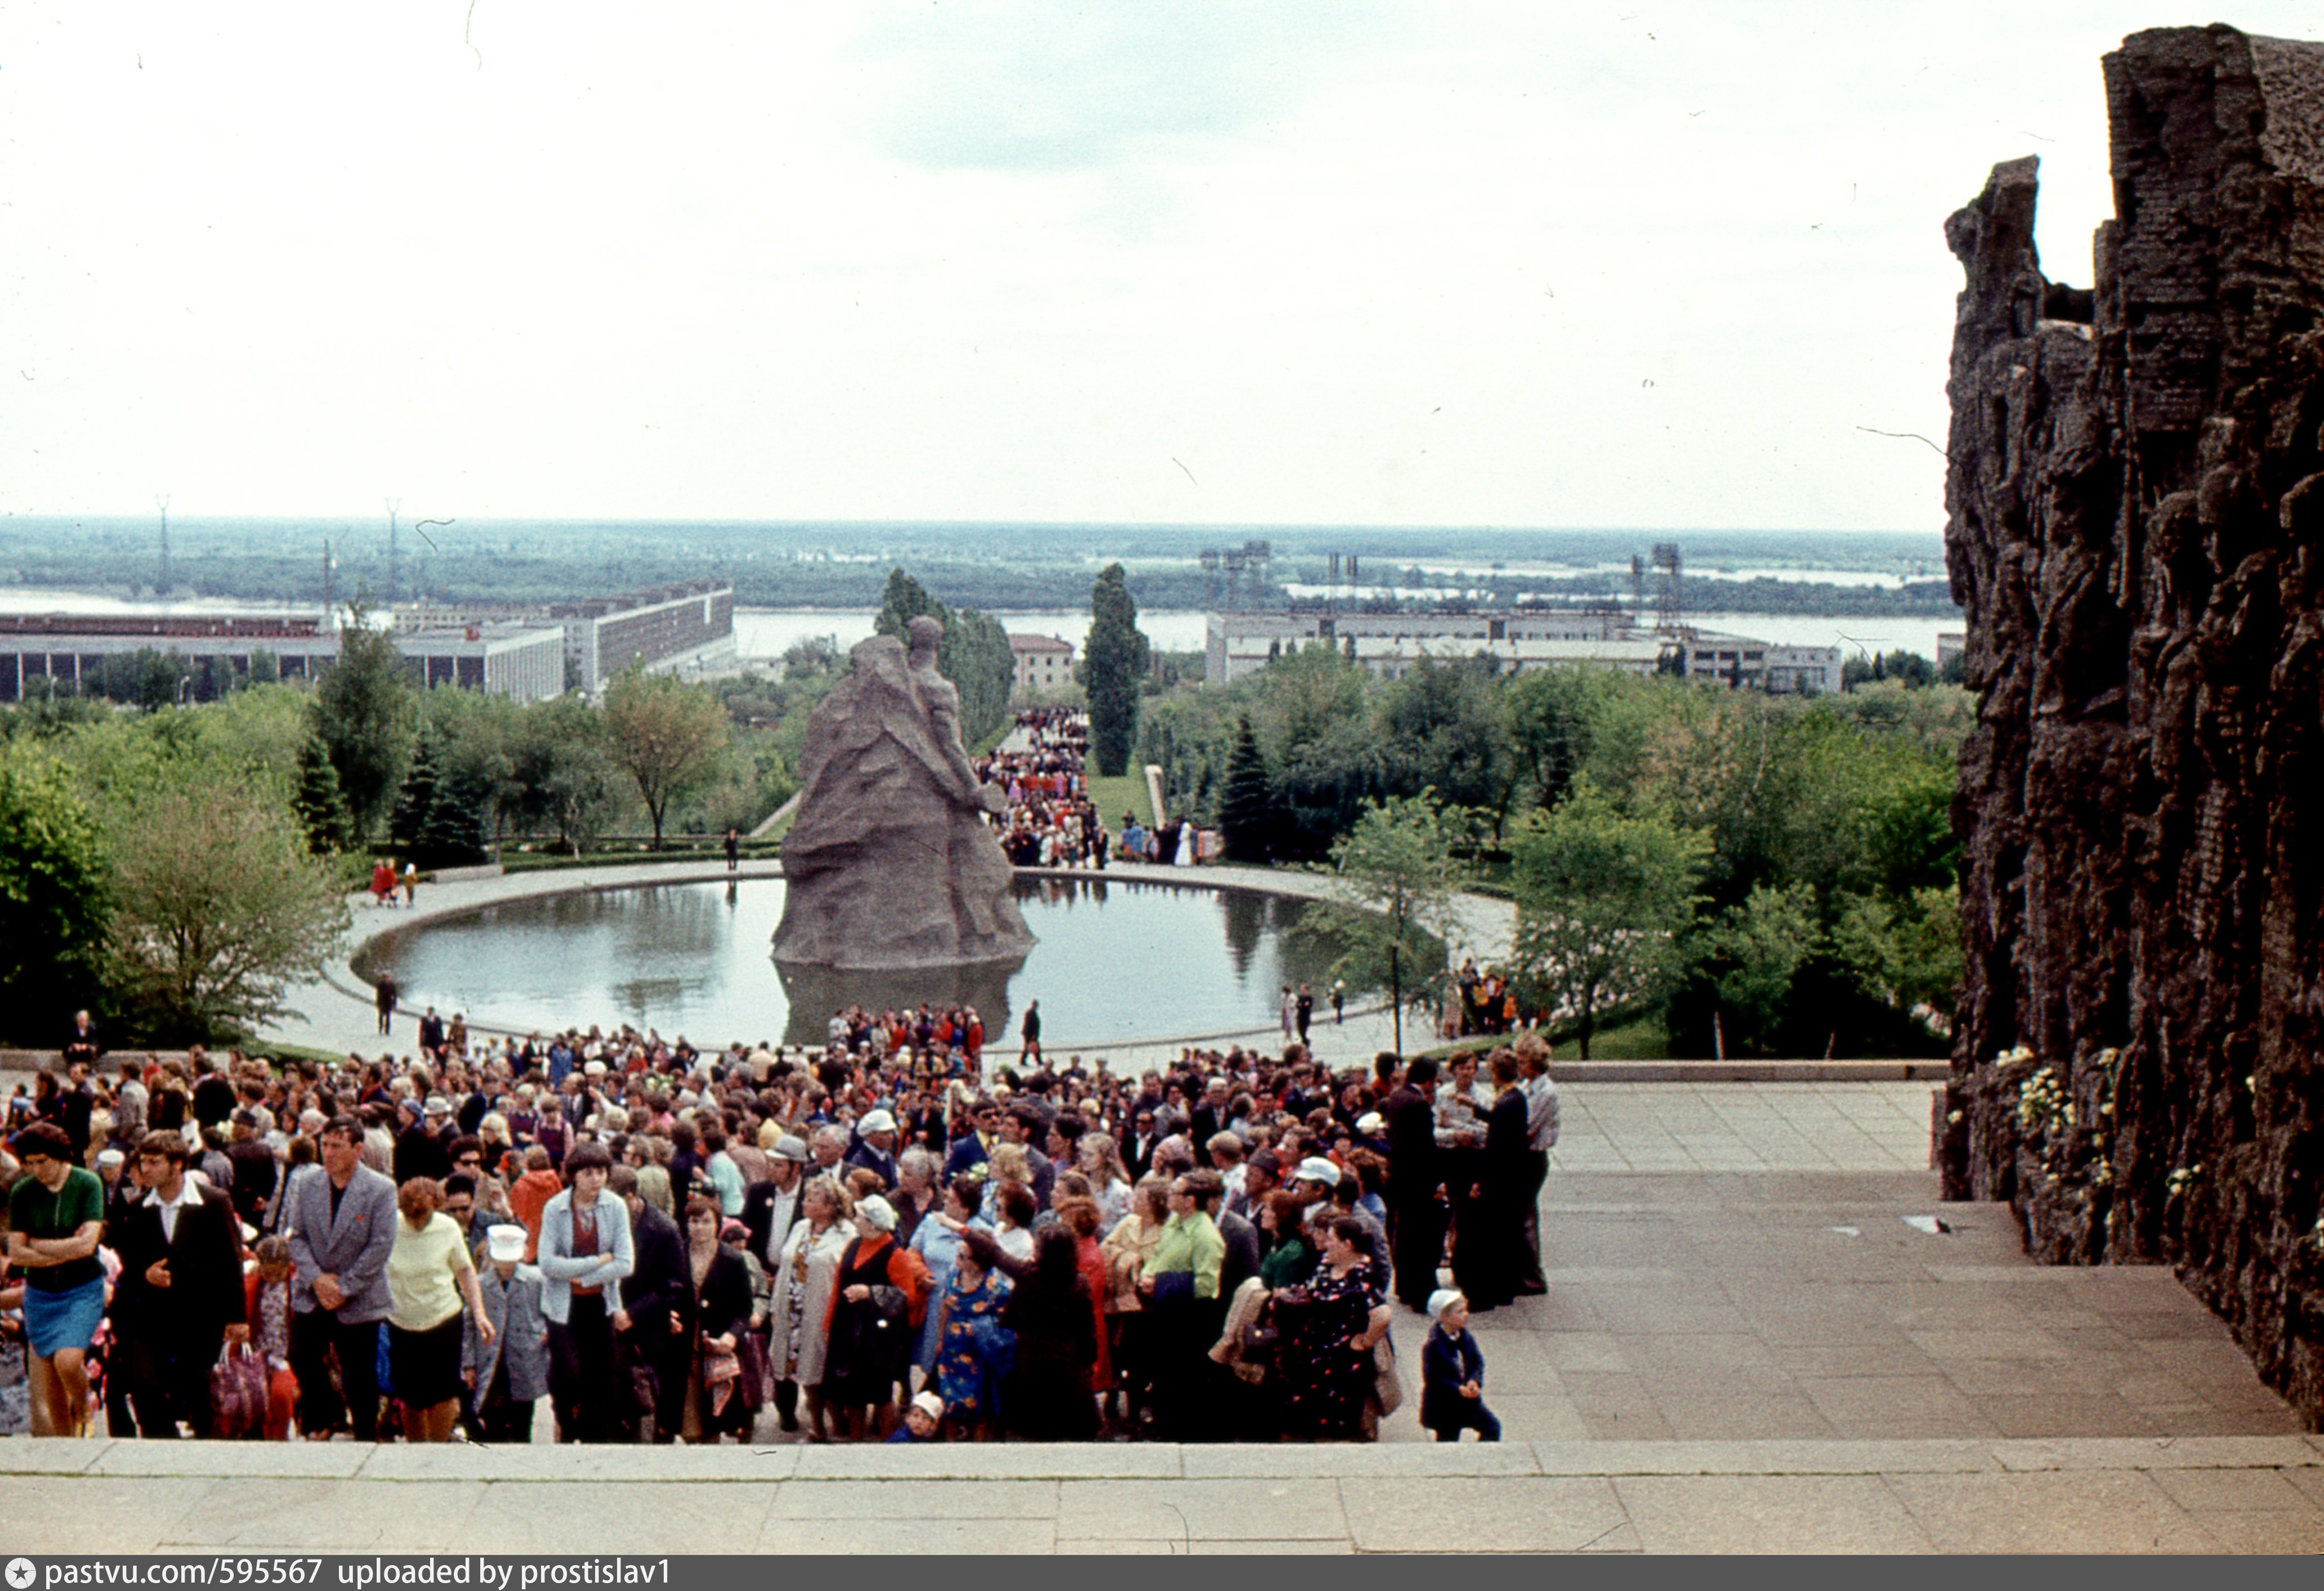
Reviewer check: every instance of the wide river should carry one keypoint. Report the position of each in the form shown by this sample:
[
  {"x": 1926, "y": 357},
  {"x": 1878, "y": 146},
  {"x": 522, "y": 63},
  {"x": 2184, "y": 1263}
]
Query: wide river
[{"x": 760, "y": 632}]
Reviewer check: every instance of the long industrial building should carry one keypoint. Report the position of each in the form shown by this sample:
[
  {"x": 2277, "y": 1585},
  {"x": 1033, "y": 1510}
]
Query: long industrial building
[
  {"x": 76, "y": 652},
  {"x": 687, "y": 629},
  {"x": 1389, "y": 644}
]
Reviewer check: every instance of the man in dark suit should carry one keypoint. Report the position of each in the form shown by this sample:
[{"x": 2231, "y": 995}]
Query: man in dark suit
[
  {"x": 179, "y": 1297},
  {"x": 655, "y": 1320},
  {"x": 75, "y": 1105},
  {"x": 1242, "y": 1261},
  {"x": 341, "y": 1226},
  {"x": 1208, "y": 1119},
  {"x": 1138, "y": 1156},
  {"x": 770, "y": 1209},
  {"x": 971, "y": 1149},
  {"x": 1417, "y": 1219},
  {"x": 255, "y": 1171}
]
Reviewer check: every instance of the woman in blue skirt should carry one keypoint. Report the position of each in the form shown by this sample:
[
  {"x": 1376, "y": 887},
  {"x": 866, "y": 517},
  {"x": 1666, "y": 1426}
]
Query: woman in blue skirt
[{"x": 55, "y": 1212}]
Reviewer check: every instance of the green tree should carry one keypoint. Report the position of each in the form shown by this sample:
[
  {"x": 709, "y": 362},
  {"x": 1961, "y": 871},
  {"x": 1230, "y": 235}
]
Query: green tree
[
  {"x": 1393, "y": 899},
  {"x": 1114, "y": 660},
  {"x": 458, "y": 829},
  {"x": 55, "y": 894},
  {"x": 1551, "y": 713},
  {"x": 1247, "y": 805},
  {"x": 669, "y": 737},
  {"x": 561, "y": 777},
  {"x": 362, "y": 711},
  {"x": 976, "y": 657},
  {"x": 1905, "y": 953},
  {"x": 904, "y": 601},
  {"x": 1756, "y": 949},
  {"x": 974, "y": 653},
  {"x": 416, "y": 797},
  {"x": 322, "y": 810},
  {"x": 220, "y": 905},
  {"x": 1603, "y": 900},
  {"x": 1442, "y": 727}
]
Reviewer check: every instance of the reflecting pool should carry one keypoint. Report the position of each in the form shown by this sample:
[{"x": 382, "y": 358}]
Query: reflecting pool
[{"x": 1116, "y": 962}]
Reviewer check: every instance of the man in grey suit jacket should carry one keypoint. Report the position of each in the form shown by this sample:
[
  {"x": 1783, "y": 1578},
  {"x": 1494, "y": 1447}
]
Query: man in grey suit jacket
[{"x": 341, "y": 1226}]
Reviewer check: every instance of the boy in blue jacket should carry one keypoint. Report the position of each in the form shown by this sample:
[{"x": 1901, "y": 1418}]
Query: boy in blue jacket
[{"x": 1452, "y": 1373}]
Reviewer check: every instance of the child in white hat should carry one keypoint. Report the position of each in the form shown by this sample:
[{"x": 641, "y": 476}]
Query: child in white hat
[
  {"x": 921, "y": 1417},
  {"x": 1452, "y": 1373}
]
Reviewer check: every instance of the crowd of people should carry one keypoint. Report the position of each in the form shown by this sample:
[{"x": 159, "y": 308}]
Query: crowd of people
[
  {"x": 882, "y": 1238},
  {"x": 878, "y": 1239},
  {"x": 1049, "y": 821}
]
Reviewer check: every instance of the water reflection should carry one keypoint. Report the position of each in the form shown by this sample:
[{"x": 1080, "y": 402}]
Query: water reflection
[{"x": 1117, "y": 961}]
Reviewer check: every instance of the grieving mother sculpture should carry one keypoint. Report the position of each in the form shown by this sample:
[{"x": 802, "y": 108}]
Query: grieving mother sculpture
[{"x": 890, "y": 863}]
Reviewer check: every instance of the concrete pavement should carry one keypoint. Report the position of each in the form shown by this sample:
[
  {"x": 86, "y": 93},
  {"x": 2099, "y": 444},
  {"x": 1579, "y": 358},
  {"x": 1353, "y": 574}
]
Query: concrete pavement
[{"x": 2216, "y": 1495}]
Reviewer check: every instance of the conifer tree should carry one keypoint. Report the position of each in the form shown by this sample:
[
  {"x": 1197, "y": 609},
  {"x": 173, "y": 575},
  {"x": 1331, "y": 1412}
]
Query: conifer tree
[
  {"x": 321, "y": 806},
  {"x": 408, "y": 823},
  {"x": 1247, "y": 805}
]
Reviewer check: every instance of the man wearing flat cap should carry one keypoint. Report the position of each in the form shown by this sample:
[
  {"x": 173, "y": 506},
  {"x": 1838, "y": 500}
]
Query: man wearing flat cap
[{"x": 875, "y": 1149}]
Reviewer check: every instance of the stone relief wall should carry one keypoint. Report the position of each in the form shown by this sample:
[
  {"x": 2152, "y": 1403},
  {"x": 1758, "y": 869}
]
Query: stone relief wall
[{"x": 2136, "y": 505}]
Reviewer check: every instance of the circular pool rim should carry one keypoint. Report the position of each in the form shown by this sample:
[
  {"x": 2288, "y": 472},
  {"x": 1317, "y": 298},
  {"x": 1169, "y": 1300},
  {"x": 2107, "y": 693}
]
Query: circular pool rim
[{"x": 345, "y": 971}]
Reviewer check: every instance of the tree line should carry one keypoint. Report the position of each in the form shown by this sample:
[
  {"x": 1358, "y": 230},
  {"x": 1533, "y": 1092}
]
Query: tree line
[{"x": 1762, "y": 873}]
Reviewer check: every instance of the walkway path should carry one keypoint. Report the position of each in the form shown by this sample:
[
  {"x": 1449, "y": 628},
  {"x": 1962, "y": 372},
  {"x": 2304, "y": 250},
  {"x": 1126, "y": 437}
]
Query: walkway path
[{"x": 2200, "y": 1494}]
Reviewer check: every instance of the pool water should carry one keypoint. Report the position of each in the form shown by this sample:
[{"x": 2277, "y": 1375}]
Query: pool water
[{"x": 1116, "y": 962}]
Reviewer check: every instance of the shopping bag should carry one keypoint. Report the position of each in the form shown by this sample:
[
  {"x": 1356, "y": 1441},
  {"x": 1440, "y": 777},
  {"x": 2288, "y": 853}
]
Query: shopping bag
[{"x": 238, "y": 1393}]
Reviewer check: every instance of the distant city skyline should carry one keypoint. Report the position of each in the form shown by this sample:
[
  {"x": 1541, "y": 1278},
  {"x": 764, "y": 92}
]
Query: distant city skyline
[{"x": 1614, "y": 266}]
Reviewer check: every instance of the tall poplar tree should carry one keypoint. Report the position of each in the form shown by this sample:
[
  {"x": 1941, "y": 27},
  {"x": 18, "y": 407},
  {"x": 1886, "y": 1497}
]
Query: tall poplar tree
[{"x": 1113, "y": 661}]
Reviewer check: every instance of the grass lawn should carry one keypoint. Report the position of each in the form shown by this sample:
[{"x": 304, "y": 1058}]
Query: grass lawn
[
  {"x": 1642, "y": 1040},
  {"x": 1113, "y": 797}
]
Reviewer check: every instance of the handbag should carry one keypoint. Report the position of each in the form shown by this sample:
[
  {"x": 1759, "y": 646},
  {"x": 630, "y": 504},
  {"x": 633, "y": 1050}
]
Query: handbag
[
  {"x": 750, "y": 1350},
  {"x": 1388, "y": 1386},
  {"x": 238, "y": 1393}
]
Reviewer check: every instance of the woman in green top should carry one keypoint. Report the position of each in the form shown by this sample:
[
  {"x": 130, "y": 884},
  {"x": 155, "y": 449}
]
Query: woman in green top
[{"x": 55, "y": 1212}]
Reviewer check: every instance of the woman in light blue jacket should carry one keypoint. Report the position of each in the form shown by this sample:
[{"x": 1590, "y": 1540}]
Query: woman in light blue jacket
[{"x": 584, "y": 1254}]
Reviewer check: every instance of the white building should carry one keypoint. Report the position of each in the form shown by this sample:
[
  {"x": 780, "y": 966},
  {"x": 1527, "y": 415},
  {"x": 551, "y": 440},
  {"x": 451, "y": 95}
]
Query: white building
[
  {"x": 676, "y": 630},
  {"x": 1391, "y": 644},
  {"x": 75, "y": 652},
  {"x": 1043, "y": 662}
]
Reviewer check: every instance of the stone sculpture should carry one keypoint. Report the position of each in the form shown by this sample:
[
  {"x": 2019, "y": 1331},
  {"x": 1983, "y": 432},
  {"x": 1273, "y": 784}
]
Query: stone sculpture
[
  {"x": 2135, "y": 503},
  {"x": 890, "y": 863}
]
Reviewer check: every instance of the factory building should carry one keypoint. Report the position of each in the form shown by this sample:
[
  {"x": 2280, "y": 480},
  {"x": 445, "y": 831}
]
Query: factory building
[
  {"x": 1391, "y": 644},
  {"x": 687, "y": 629}
]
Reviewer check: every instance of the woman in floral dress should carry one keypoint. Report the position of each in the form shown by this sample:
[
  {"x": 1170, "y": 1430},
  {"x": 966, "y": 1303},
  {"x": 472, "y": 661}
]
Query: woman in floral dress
[
  {"x": 799, "y": 1314},
  {"x": 1330, "y": 1325},
  {"x": 975, "y": 1349}
]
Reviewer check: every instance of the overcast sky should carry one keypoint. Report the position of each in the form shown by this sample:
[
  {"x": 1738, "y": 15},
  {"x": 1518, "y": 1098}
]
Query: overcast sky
[{"x": 1622, "y": 264}]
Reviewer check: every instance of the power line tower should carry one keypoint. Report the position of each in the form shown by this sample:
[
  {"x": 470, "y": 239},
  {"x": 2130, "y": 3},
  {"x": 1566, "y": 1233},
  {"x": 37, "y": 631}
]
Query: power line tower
[
  {"x": 161, "y": 500},
  {"x": 393, "y": 504},
  {"x": 1669, "y": 609}
]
